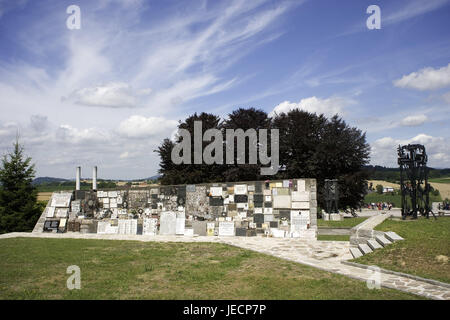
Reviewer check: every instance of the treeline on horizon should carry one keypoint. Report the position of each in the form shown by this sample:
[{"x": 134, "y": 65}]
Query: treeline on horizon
[
  {"x": 393, "y": 174},
  {"x": 310, "y": 146}
]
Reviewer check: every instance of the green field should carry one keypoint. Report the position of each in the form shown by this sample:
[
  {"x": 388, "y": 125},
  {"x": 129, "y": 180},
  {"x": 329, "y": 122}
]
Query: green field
[
  {"x": 44, "y": 188},
  {"x": 425, "y": 252},
  {"x": 394, "y": 199},
  {"x": 33, "y": 268},
  {"x": 440, "y": 180},
  {"x": 346, "y": 223}
]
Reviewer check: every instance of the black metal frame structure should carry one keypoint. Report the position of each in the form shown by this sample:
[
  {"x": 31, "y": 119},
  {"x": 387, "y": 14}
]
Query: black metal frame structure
[
  {"x": 412, "y": 159},
  {"x": 331, "y": 195}
]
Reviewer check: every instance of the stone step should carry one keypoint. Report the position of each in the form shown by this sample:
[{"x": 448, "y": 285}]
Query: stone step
[
  {"x": 392, "y": 236},
  {"x": 356, "y": 253},
  {"x": 373, "y": 244},
  {"x": 383, "y": 241},
  {"x": 365, "y": 249}
]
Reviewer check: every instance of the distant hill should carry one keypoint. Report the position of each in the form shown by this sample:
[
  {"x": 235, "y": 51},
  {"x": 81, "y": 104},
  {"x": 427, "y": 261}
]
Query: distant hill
[
  {"x": 44, "y": 180},
  {"x": 393, "y": 174}
]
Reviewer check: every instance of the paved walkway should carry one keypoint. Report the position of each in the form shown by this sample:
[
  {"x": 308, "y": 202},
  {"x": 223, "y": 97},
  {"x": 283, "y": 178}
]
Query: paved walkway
[{"x": 324, "y": 255}]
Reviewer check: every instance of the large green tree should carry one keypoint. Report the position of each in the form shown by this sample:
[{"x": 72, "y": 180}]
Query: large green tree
[
  {"x": 313, "y": 146},
  {"x": 18, "y": 208},
  {"x": 244, "y": 119},
  {"x": 189, "y": 173}
]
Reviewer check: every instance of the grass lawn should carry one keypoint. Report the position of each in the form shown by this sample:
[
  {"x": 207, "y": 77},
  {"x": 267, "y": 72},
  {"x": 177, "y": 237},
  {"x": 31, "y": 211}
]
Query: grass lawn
[
  {"x": 338, "y": 237},
  {"x": 33, "y": 268},
  {"x": 394, "y": 199},
  {"x": 424, "y": 252},
  {"x": 346, "y": 223},
  {"x": 440, "y": 180}
]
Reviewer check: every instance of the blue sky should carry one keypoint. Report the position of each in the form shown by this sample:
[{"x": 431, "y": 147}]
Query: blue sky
[{"x": 108, "y": 93}]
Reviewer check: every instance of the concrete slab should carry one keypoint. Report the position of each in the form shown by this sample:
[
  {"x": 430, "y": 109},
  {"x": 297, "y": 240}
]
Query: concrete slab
[
  {"x": 392, "y": 236},
  {"x": 365, "y": 249},
  {"x": 373, "y": 244},
  {"x": 356, "y": 253},
  {"x": 383, "y": 241}
]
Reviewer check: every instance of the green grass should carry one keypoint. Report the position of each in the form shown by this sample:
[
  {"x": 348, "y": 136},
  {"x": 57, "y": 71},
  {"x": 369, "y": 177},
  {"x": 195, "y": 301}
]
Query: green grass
[
  {"x": 33, "y": 268},
  {"x": 440, "y": 180},
  {"x": 394, "y": 199},
  {"x": 338, "y": 237},
  {"x": 422, "y": 253},
  {"x": 346, "y": 223}
]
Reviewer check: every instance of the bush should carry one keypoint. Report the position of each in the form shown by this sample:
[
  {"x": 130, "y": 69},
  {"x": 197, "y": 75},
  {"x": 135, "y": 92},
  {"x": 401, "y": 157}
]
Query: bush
[{"x": 379, "y": 188}]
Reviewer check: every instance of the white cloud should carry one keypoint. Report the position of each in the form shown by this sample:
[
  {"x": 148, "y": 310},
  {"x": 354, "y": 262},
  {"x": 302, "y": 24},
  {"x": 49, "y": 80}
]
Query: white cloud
[
  {"x": 426, "y": 79},
  {"x": 413, "y": 121},
  {"x": 384, "y": 150},
  {"x": 141, "y": 127},
  {"x": 329, "y": 106},
  {"x": 71, "y": 135},
  {"x": 413, "y": 9},
  {"x": 113, "y": 95}
]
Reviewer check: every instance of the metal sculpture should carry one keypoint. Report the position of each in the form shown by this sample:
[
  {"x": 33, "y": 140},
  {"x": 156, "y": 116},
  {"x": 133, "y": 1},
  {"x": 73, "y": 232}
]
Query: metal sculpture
[
  {"x": 331, "y": 195},
  {"x": 414, "y": 186}
]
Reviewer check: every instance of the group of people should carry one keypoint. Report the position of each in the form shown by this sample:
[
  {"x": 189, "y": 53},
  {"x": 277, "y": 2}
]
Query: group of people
[
  {"x": 444, "y": 206},
  {"x": 379, "y": 205}
]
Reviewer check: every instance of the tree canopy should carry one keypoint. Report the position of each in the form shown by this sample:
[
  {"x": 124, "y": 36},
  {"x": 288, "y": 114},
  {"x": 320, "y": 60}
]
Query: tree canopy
[{"x": 310, "y": 146}]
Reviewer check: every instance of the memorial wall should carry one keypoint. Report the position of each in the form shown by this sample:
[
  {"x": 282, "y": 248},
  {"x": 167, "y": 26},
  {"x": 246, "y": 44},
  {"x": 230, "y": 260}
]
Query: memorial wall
[{"x": 280, "y": 208}]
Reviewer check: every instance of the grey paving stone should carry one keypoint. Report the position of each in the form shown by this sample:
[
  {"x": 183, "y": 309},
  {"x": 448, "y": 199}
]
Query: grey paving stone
[
  {"x": 356, "y": 253},
  {"x": 392, "y": 236},
  {"x": 365, "y": 249},
  {"x": 383, "y": 241},
  {"x": 373, "y": 244}
]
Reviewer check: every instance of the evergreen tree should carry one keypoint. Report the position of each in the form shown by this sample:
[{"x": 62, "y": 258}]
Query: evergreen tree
[{"x": 18, "y": 208}]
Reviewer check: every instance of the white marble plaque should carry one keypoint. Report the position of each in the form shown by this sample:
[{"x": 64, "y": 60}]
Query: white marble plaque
[
  {"x": 180, "y": 223},
  {"x": 168, "y": 222},
  {"x": 102, "y": 194},
  {"x": 210, "y": 228},
  {"x": 300, "y": 196},
  {"x": 268, "y": 210},
  {"x": 112, "y": 194},
  {"x": 111, "y": 229},
  {"x": 240, "y": 189},
  {"x": 105, "y": 200},
  {"x": 258, "y": 210},
  {"x": 282, "y": 201},
  {"x": 285, "y": 183},
  {"x": 301, "y": 185},
  {"x": 277, "y": 233},
  {"x": 268, "y": 198},
  {"x": 216, "y": 191},
  {"x": 226, "y": 228},
  {"x": 231, "y": 198},
  {"x": 50, "y": 212},
  {"x": 61, "y": 200},
  {"x": 101, "y": 227},
  {"x": 189, "y": 232},
  {"x": 300, "y": 205},
  {"x": 298, "y": 224},
  {"x": 149, "y": 226},
  {"x": 62, "y": 212}
]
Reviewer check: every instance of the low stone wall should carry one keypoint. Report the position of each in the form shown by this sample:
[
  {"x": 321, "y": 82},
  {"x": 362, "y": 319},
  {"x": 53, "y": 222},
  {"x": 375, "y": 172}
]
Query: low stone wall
[
  {"x": 280, "y": 208},
  {"x": 364, "y": 231}
]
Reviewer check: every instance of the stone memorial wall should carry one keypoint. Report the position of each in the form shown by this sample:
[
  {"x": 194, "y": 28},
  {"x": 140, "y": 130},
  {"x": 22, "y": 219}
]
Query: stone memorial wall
[{"x": 280, "y": 208}]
